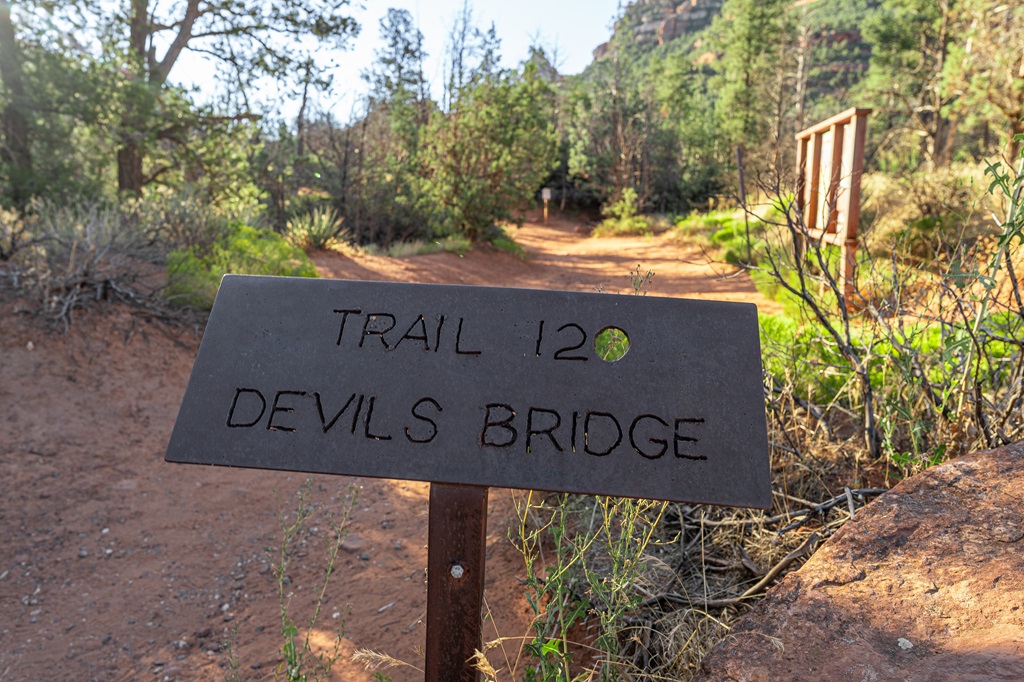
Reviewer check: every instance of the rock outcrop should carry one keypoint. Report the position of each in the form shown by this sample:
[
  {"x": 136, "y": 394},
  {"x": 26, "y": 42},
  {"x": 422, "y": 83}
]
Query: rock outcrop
[{"x": 925, "y": 584}]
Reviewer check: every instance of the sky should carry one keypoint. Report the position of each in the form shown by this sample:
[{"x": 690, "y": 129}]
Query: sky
[{"x": 571, "y": 29}]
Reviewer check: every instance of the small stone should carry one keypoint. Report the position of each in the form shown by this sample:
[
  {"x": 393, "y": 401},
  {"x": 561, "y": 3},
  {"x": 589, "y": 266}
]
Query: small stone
[
  {"x": 365, "y": 556},
  {"x": 256, "y": 666},
  {"x": 82, "y": 552},
  {"x": 904, "y": 644},
  {"x": 352, "y": 544}
]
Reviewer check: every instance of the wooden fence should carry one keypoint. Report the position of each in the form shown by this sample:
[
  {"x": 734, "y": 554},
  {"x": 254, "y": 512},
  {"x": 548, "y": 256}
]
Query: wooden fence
[{"x": 830, "y": 161}]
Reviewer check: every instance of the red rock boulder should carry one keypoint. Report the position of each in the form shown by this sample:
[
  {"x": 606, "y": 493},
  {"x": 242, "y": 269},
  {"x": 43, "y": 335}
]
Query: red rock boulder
[{"x": 924, "y": 584}]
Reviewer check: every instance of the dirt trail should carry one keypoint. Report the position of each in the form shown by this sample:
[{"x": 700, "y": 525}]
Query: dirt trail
[
  {"x": 115, "y": 565},
  {"x": 560, "y": 256}
]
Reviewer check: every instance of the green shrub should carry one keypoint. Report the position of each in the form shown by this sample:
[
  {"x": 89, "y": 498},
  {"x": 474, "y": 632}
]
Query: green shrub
[
  {"x": 622, "y": 219},
  {"x": 509, "y": 245},
  {"x": 699, "y": 224},
  {"x": 804, "y": 356},
  {"x": 732, "y": 238},
  {"x": 728, "y": 231},
  {"x": 320, "y": 228},
  {"x": 194, "y": 274},
  {"x": 500, "y": 239},
  {"x": 456, "y": 244}
]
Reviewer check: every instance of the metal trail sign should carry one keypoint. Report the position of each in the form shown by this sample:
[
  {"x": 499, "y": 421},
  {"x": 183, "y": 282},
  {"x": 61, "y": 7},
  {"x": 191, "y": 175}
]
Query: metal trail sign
[{"x": 470, "y": 387}]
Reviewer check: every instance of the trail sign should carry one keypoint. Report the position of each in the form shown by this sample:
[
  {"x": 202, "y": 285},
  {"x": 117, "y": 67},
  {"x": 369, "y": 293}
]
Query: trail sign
[
  {"x": 470, "y": 387},
  {"x": 480, "y": 386}
]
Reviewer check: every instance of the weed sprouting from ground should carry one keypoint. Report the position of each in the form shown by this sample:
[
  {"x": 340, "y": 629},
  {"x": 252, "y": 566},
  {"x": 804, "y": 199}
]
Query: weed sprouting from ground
[
  {"x": 641, "y": 281},
  {"x": 301, "y": 662}
]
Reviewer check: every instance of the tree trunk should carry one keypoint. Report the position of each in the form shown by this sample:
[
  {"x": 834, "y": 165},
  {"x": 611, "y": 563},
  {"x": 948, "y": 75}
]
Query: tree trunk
[
  {"x": 803, "y": 42},
  {"x": 1013, "y": 145},
  {"x": 16, "y": 150},
  {"x": 300, "y": 121},
  {"x": 129, "y": 157},
  {"x": 948, "y": 140},
  {"x": 129, "y": 163}
]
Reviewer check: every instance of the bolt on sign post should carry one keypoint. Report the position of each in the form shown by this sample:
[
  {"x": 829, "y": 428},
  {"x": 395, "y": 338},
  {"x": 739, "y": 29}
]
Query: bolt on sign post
[
  {"x": 470, "y": 387},
  {"x": 545, "y": 194},
  {"x": 829, "y": 165}
]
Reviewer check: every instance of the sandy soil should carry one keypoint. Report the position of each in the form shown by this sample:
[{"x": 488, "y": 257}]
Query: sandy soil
[
  {"x": 115, "y": 565},
  {"x": 561, "y": 256}
]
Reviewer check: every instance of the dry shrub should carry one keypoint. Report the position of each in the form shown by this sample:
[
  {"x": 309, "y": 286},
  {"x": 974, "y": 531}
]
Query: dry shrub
[
  {"x": 80, "y": 253},
  {"x": 695, "y": 569},
  {"x": 925, "y": 217},
  {"x": 69, "y": 256}
]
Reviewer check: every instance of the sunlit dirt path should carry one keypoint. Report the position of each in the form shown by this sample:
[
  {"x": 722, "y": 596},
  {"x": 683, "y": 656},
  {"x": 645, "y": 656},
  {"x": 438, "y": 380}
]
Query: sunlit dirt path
[{"x": 560, "y": 255}]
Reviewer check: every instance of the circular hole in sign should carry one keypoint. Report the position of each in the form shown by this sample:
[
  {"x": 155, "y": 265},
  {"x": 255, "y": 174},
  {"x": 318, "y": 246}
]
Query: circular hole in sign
[{"x": 611, "y": 343}]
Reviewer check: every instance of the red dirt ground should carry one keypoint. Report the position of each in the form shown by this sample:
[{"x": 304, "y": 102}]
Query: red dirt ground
[{"x": 115, "y": 565}]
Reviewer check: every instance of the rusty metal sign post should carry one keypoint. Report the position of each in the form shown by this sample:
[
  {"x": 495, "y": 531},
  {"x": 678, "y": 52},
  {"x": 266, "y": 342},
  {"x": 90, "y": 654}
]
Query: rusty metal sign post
[{"x": 471, "y": 387}]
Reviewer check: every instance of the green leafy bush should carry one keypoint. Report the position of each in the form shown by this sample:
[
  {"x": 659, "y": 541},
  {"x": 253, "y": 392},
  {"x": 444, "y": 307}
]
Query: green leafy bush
[
  {"x": 486, "y": 156},
  {"x": 622, "y": 219},
  {"x": 194, "y": 274},
  {"x": 728, "y": 231}
]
